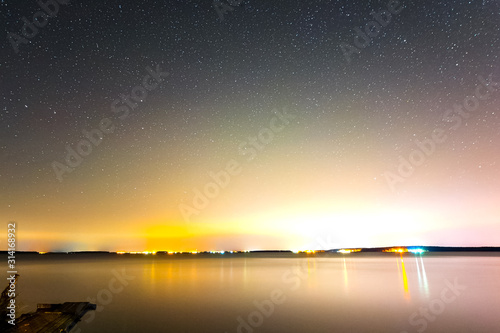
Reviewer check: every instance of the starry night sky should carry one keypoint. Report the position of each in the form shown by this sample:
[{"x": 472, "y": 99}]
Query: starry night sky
[{"x": 325, "y": 174}]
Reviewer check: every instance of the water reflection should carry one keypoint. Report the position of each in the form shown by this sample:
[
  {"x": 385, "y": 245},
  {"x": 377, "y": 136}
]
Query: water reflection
[
  {"x": 418, "y": 272},
  {"x": 355, "y": 293},
  {"x": 193, "y": 272},
  {"x": 423, "y": 285},
  {"x": 422, "y": 276},
  {"x": 405, "y": 279},
  {"x": 245, "y": 274},
  {"x": 153, "y": 272},
  {"x": 311, "y": 272},
  {"x": 222, "y": 270},
  {"x": 345, "y": 276}
]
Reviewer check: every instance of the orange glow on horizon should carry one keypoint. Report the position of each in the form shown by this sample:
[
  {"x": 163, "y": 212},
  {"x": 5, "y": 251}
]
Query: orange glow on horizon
[{"x": 397, "y": 250}]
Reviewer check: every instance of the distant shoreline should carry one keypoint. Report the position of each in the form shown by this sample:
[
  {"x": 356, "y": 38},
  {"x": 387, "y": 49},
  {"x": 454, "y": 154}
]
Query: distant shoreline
[{"x": 426, "y": 249}]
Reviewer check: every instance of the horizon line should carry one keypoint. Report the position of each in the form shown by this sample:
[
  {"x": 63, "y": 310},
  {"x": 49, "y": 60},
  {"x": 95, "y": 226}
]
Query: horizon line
[{"x": 359, "y": 249}]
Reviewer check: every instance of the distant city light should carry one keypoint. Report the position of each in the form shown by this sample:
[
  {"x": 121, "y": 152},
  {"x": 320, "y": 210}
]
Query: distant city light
[
  {"x": 345, "y": 251},
  {"x": 417, "y": 251},
  {"x": 397, "y": 250}
]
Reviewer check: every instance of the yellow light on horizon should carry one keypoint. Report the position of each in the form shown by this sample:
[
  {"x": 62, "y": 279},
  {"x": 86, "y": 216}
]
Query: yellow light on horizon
[
  {"x": 397, "y": 250},
  {"x": 345, "y": 251}
]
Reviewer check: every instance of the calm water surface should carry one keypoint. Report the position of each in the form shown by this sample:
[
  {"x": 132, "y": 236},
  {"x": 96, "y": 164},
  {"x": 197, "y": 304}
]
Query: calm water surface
[{"x": 263, "y": 293}]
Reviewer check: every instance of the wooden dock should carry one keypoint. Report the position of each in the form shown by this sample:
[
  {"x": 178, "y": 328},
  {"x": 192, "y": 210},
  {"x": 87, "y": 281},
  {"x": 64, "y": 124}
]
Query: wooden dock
[{"x": 49, "y": 318}]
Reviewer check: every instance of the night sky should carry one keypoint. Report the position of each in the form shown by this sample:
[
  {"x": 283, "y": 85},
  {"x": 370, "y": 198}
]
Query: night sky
[{"x": 282, "y": 122}]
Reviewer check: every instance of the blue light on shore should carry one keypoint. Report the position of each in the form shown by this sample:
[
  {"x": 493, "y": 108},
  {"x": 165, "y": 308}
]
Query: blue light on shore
[{"x": 417, "y": 251}]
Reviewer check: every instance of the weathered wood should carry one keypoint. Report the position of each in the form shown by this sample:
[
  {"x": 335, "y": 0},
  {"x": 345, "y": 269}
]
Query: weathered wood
[{"x": 50, "y": 318}]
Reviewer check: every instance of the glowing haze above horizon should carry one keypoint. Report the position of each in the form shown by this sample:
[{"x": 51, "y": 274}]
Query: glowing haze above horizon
[{"x": 318, "y": 178}]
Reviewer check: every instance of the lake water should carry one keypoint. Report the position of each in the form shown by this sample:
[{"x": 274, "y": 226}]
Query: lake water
[{"x": 270, "y": 293}]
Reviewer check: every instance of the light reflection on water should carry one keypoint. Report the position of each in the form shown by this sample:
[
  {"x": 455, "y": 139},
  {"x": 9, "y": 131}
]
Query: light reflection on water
[
  {"x": 405, "y": 279},
  {"x": 322, "y": 293}
]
